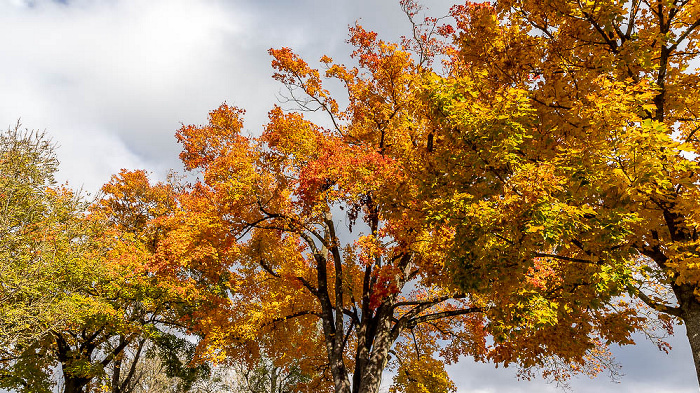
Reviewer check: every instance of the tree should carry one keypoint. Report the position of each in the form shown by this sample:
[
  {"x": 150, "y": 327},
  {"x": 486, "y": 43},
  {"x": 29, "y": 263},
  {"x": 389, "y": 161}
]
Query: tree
[
  {"x": 79, "y": 291},
  {"x": 45, "y": 268},
  {"x": 158, "y": 362},
  {"x": 596, "y": 194},
  {"x": 143, "y": 307},
  {"x": 261, "y": 227},
  {"x": 164, "y": 365}
]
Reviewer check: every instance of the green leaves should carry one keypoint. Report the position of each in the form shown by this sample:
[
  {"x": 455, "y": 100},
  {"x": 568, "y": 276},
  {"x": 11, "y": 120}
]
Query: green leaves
[
  {"x": 48, "y": 263},
  {"x": 41, "y": 240}
]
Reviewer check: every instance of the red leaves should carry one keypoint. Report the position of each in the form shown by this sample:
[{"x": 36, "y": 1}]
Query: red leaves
[
  {"x": 445, "y": 30},
  {"x": 289, "y": 66},
  {"x": 362, "y": 39},
  {"x": 541, "y": 275},
  {"x": 370, "y": 52},
  {"x": 348, "y": 172},
  {"x": 385, "y": 285}
]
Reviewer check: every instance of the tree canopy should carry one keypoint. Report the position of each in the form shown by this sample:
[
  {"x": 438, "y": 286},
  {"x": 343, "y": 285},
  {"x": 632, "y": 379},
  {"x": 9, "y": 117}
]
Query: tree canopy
[
  {"x": 79, "y": 292},
  {"x": 333, "y": 243},
  {"x": 599, "y": 187}
]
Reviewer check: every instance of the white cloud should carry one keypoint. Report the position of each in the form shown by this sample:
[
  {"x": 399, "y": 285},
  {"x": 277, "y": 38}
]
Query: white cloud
[
  {"x": 114, "y": 79},
  {"x": 130, "y": 71},
  {"x": 644, "y": 370}
]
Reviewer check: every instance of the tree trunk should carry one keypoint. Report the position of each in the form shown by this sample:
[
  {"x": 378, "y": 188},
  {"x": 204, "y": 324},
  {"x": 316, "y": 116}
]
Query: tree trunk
[
  {"x": 71, "y": 383},
  {"x": 371, "y": 377},
  {"x": 691, "y": 318},
  {"x": 273, "y": 380},
  {"x": 340, "y": 378},
  {"x": 116, "y": 375},
  {"x": 74, "y": 384}
]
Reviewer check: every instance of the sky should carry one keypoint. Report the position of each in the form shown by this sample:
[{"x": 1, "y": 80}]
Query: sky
[{"x": 110, "y": 81}]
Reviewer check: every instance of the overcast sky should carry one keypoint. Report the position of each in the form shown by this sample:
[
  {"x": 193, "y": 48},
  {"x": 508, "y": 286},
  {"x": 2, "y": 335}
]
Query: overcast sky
[{"x": 112, "y": 80}]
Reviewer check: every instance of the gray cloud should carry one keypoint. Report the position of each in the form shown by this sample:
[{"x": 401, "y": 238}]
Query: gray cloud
[
  {"x": 112, "y": 80},
  {"x": 644, "y": 370}
]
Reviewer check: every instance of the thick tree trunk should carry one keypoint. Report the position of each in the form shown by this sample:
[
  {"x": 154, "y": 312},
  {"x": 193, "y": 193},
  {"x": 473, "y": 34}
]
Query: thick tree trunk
[
  {"x": 371, "y": 377},
  {"x": 71, "y": 383},
  {"x": 370, "y": 359},
  {"x": 74, "y": 384},
  {"x": 685, "y": 293},
  {"x": 340, "y": 377},
  {"x": 691, "y": 318}
]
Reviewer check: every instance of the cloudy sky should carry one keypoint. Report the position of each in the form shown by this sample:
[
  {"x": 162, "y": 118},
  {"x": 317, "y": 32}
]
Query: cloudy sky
[{"x": 112, "y": 80}]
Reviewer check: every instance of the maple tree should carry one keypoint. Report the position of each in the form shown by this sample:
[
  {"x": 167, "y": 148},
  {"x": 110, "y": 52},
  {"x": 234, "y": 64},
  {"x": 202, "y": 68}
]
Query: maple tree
[
  {"x": 27, "y": 165},
  {"x": 141, "y": 309},
  {"x": 594, "y": 193},
  {"x": 342, "y": 300}
]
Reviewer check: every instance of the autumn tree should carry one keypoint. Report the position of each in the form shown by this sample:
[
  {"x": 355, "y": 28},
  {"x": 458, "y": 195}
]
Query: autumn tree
[
  {"x": 318, "y": 237},
  {"x": 595, "y": 193},
  {"x": 44, "y": 266},
  {"x": 143, "y": 308},
  {"x": 80, "y": 294}
]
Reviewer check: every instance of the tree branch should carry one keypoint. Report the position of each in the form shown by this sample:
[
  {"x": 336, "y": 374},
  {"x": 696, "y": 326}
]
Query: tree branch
[
  {"x": 291, "y": 316},
  {"x": 564, "y": 258},
  {"x": 675, "y": 311},
  {"x": 443, "y": 314},
  {"x": 684, "y": 35}
]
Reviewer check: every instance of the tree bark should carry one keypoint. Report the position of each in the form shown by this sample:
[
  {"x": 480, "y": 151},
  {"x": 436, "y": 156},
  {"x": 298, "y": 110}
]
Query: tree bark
[
  {"x": 691, "y": 318},
  {"x": 74, "y": 384},
  {"x": 71, "y": 383},
  {"x": 116, "y": 375},
  {"x": 273, "y": 380},
  {"x": 692, "y": 326},
  {"x": 383, "y": 339}
]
